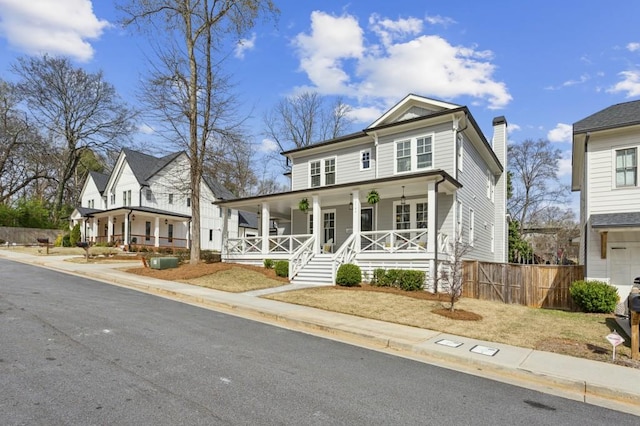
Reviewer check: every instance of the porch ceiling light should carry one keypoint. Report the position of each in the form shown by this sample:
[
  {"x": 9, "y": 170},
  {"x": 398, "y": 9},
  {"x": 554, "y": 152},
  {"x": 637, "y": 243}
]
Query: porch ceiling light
[
  {"x": 403, "y": 200},
  {"x": 133, "y": 217},
  {"x": 166, "y": 221}
]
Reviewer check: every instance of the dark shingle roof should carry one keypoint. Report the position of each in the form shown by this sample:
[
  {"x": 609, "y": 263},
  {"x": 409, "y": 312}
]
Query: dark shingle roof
[
  {"x": 247, "y": 219},
  {"x": 144, "y": 166},
  {"x": 219, "y": 191},
  {"x": 619, "y": 115},
  {"x": 86, "y": 211},
  {"x": 100, "y": 179},
  {"x": 615, "y": 220}
]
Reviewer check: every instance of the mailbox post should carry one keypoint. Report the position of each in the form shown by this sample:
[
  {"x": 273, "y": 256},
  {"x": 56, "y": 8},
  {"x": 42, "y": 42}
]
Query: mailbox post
[
  {"x": 85, "y": 247},
  {"x": 634, "y": 311}
]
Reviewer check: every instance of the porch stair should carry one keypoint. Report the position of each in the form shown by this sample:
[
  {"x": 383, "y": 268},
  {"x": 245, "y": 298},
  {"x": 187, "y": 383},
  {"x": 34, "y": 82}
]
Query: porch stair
[{"x": 317, "y": 271}]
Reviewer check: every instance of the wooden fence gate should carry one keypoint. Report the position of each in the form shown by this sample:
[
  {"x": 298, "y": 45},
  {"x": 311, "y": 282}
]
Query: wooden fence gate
[{"x": 539, "y": 286}]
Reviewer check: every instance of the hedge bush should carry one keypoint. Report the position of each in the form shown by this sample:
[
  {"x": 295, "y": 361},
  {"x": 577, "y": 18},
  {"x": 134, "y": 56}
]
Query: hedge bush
[
  {"x": 348, "y": 275},
  {"x": 268, "y": 263},
  {"x": 378, "y": 277},
  {"x": 594, "y": 296},
  {"x": 75, "y": 235},
  {"x": 282, "y": 268},
  {"x": 411, "y": 280}
]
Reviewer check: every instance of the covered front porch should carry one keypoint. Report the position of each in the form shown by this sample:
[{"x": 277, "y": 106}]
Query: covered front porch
[
  {"x": 133, "y": 227},
  {"x": 408, "y": 227}
]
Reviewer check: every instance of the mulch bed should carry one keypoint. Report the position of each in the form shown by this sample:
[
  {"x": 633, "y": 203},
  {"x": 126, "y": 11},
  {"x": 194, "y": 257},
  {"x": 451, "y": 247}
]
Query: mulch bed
[{"x": 188, "y": 271}]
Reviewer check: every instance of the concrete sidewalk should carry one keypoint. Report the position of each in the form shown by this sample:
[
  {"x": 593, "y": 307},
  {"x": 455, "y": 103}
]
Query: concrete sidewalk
[{"x": 593, "y": 382}]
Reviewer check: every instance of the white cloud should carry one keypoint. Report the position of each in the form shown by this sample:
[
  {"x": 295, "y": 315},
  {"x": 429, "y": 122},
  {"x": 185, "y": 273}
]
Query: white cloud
[
  {"x": 583, "y": 79},
  {"x": 365, "y": 114},
  {"x": 339, "y": 60},
  {"x": 60, "y": 27},
  {"x": 146, "y": 129},
  {"x": 439, "y": 20},
  {"x": 245, "y": 44},
  {"x": 513, "y": 127},
  {"x": 561, "y": 133},
  {"x": 633, "y": 46},
  {"x": 564, "y": 164},
  {"x": 389, "y": 31},
  {"x": 268, "y": 146},
  {"x": 630, "y": 84}
]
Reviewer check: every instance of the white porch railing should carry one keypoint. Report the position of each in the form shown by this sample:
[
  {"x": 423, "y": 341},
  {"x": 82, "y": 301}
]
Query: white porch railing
[
  {"x": 282, "y": 244},
  {"x": 301, "y": 257},
  {"x": 401, "y": 240},
  {"x": 345, "y": 254}
]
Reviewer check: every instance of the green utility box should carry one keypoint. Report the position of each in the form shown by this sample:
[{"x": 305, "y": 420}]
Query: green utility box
[{"x": 163, "y": 262}]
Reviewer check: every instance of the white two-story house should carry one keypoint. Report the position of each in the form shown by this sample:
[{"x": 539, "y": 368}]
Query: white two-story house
[
  {"x": 605, "y": 171},
  {"x": 437, "y": 180},
  {"x": 145, "y": 201}
]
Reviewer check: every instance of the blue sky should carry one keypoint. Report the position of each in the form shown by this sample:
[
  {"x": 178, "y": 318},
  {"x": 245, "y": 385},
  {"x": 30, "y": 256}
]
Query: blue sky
[{"x": 542, "y": 64}]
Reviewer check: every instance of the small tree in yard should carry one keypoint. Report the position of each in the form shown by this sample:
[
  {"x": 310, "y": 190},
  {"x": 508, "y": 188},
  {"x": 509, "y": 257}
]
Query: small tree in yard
[{"x": 451, "y": 275}]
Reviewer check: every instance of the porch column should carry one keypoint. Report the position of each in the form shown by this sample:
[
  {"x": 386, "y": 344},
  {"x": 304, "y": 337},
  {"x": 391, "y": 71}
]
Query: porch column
[
  {"x": 264, "y": 228},
  {"x": 432, "y": 228},
  {"x": 355, "y": 199},
  {"x": 156, "y": 233},
  {"x": 125, "y": 237},
  {"x": 110, "y": 233},
  {"x": 94, "y": 231},
  {"x": 317, "y": 211},
  {"x": 224, "y": 234}
]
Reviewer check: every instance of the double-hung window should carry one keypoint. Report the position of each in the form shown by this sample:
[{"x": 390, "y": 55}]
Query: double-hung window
[
  {"x": 365, "y": 159},
  {"x": 425, "y": 158},
  {"x": 126, "y": 198},
  {"x": 414, "y": 154},
  {"x": 330, "y": 171},
  {"x": 403, "y": 156},
  {"x": 422, "y": 215},
  {"x": 315, "y": 173},
  {"x": 322, "y": 172},
  {"x": 626, "y": 167}
]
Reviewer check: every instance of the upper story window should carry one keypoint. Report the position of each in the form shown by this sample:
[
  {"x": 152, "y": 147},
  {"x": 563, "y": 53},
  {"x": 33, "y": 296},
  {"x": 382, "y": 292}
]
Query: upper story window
[
  {"x": 365, "y": 159},
  {"x": 460, "y": 151},
  {"x": 170, "y": 198},
  {"x": 188, "y": 202},
  {"x": 90, "y": 204},
  {"x": 113, "y": 198},
  {"x": 626, "y": 167},
  {"x": 491, "y": 186},
  {"x": 322, "y": 172},
  {"x": 148, "y": 194},
  {"x": 330, "y": 171},
  {"x": 414, "y": 154},
  {"x": 126, "y": 198},
  {"x": 472, "y": 220}
]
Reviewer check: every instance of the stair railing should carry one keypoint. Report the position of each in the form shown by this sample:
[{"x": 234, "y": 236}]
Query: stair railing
[
  {"x": 301, "y": 257},
  {"x": 345, "y": 254}
]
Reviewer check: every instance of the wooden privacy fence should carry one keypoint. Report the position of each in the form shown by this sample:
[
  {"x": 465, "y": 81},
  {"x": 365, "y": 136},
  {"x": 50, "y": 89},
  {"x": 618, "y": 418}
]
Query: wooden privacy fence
[{"x": 539, "y": 286}]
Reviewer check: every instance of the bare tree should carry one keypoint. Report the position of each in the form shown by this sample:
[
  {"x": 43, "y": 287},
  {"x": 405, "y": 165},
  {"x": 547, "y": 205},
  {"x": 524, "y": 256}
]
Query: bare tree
[
  {"x": 22, "y": 148},
  {"x": 535, "y": 186},
  {"x": 451, "y": 271},
  {"x": 187, "y": 87},
  {"x": 78, "y": 110},
  {"x": 301, "y": 120}
]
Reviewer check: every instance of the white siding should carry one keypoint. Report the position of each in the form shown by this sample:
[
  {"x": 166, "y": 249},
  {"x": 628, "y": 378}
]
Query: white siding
[
  {"x": 473, "y": 194},
  {"x": 347, "y": 166},
  {"x": 126, "y": 181},
  {"x": 90, "y": 192}
]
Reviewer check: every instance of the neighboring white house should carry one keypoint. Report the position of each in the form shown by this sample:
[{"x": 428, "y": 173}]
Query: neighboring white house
[
  {"x": 145, "y": 201},
  {"x": 605, "y": 171},
  {"x": 438, "y": 179}
]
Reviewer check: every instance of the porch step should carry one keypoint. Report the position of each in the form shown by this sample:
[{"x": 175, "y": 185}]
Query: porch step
[{"x": 317, "y": 271}]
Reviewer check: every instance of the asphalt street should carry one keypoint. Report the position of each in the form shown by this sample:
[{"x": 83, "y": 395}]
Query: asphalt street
[{"x": 77, "y": 351}]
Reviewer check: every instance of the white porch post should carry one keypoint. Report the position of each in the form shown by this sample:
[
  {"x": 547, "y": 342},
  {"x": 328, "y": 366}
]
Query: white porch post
[
  {"x": 432, "y": 231},
  {"x": 316, "y": 209},
  {"x": 156, "y": 233},
  {"x": 125, "y": 237},
  {"x": 110, "y": 232},
  {"x": 355, "y": 199},
  {"x": 264, "y": 228},
  {"x": 95, "y": 229},
  {"x": 224, "y": 233}
]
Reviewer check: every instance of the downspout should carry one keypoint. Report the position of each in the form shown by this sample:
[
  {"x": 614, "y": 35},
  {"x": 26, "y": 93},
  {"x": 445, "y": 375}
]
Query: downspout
[
  {"x": 584, "y": 186},
  {"x": 435, "y": 238},
  {"x": 375, "y": 143}
]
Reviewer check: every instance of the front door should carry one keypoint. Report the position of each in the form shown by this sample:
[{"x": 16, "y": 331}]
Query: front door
[{"x": 366, "y": 219}]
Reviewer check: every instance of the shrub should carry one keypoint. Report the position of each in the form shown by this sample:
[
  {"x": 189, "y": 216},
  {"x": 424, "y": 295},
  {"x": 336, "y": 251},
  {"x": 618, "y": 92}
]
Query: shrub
[
  {"x": 594, "y": 296},
  {"x": 209, "y": 256},
  {"x": 348, "y": 275},
  {"x": 66, "y": 240},
  {"x": 282, "y": 268},
  {"x": 75, "y": 235},
  {"x": 268, "y": 263},
  {"x": 391, "y": 278},
  {"x": 378, "y": 277},
  {"x": 58, "y": 241},
  {"x": 411, "y": 280}
]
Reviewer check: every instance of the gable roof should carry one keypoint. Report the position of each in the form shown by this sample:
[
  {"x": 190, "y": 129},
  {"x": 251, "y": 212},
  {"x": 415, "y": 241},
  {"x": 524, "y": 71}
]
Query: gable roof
[
  {"x": 411, "y": 102},
  {"x": 144, "y": 166},
  {"x": 619, "y": 115},
  {"x": 100, "y": 180},
  {"x": 219, "y": 191}
]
